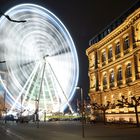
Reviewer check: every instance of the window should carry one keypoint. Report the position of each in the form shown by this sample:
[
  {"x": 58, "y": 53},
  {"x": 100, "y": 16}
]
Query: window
[
  {"x": 126, "y": 43},
  {"x": 117, "y": 51},
  {"x": 105, "y": 80},
  {"x": 128, "y": 71},
  {"x": 112, "y": 76},
  {"x": 103, "y": 56},
  {"x": 110, "y": 53},
  {"x": 111, "y": 79},
  {"x": 119, "y": 76}
]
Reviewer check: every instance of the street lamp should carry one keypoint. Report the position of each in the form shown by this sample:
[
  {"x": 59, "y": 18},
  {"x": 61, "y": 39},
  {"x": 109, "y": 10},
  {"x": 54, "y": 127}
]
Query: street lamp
[{"x": 82, "y": 109}]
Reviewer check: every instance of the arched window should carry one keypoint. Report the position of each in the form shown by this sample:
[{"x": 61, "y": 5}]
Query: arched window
[
  {"x": 119, "y": 75},
  {"x": 128, "y": 70}
]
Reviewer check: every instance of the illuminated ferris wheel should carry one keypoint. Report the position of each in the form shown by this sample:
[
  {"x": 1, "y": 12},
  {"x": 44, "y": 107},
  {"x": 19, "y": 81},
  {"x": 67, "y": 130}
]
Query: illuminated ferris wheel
[{"x": 41, "y": 59}]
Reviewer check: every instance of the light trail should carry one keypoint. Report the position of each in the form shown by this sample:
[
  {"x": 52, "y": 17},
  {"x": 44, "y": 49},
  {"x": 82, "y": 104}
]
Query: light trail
[{"x": 27, "y": 43}]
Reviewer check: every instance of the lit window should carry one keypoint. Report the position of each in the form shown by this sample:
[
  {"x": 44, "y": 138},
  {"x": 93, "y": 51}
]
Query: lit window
[
  {"x": 112, "y": 76},
  {"x": 110, "y": 53},
  {"x": 128, "y": 71},
  {"x": 126, "y": 43},
  {"x": 105, "y": 80},
  {"x": 117, "y": 51},
  {"x": 103, "y": 56},
  {"x": 119, "y": 76}
]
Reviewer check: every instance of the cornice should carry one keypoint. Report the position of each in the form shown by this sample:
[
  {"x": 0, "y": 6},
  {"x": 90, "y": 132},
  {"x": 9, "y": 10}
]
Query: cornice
[{"x": 130, "y": 20}]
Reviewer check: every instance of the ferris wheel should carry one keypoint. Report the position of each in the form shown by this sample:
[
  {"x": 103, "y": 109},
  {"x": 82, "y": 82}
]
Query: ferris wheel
[{"x": 41, "y": 60}]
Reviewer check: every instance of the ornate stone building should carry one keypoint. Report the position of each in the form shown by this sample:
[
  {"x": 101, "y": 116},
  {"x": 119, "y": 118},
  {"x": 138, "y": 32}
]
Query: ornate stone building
[{"x": 114, "y": 63}]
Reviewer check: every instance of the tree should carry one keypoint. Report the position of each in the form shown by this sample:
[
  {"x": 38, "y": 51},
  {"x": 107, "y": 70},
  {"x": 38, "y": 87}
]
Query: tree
[
  {"x": 134, "y": 102},
  {"x": 103, "y": 108}
]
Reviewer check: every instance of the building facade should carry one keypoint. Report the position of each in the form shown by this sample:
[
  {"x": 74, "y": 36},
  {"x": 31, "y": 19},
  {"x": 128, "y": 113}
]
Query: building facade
[{"x": 114, "y": 64}]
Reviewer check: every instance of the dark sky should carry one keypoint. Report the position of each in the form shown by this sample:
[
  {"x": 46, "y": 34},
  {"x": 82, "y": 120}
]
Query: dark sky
[{"x": 83, "y": 19}]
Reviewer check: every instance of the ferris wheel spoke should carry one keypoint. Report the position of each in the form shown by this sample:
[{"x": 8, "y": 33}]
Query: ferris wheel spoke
[
  {"x": 56, "y": 91},
  {"x": 53, "y": 81},
  {"x": 44, "y": 96},
  {"x": 48, "y": 90},
  {"x": 27, "y": 63},
  {"x": 66, "y": 98}
]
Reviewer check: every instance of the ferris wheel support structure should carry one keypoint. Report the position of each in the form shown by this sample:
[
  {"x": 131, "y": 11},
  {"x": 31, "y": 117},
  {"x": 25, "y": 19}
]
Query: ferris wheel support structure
[{"x": 70, "y": 108}]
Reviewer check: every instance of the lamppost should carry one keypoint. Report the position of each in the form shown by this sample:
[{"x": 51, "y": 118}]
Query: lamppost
[{"x": 82, "y": 110}]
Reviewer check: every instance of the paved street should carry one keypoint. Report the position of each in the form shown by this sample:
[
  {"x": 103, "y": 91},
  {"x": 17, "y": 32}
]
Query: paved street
[{"x": 67, "y": 131}]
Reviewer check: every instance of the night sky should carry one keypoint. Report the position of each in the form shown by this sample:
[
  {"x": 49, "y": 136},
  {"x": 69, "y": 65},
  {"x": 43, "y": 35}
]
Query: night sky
[{"x": 83, "y": 19}]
